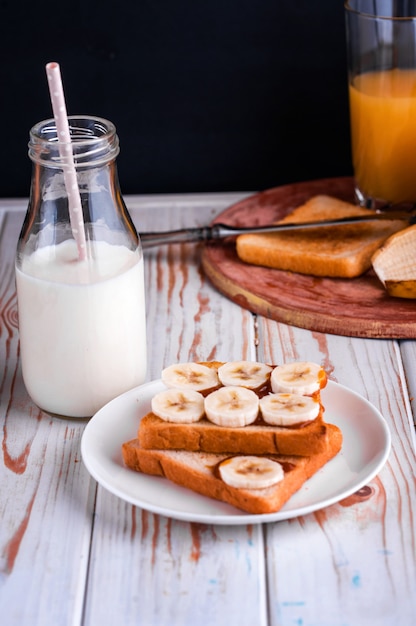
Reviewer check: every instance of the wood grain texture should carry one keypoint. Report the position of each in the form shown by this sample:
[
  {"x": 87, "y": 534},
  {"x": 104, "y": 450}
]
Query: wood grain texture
[
  {"x": 177, "y": 573},
  {"x": 46, "y": 501},
  {"x": 357, "y": 307},
  {"x": 73, "y": 554},
  {"x": 173, "y": 572},
  {"x": 186, "y": 318},
  {"x": 377, "y": 520}
]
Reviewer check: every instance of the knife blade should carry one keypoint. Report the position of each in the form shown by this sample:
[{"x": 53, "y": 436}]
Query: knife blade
[{"x": 220, "y": 231}]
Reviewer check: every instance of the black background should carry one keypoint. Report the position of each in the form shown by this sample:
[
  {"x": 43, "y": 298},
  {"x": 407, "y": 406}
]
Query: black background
[{"x": 215, "y": 95}]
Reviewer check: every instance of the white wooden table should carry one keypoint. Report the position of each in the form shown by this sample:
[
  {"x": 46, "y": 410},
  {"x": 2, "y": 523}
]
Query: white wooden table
[{"x": 71, "y": 553}]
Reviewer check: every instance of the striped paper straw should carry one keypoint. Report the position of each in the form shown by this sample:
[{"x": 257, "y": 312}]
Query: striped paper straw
[{"x": 65, "y": 151}]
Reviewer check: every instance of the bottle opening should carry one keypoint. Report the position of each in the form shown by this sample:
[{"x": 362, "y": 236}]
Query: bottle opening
[{"x": 94, "y": 142}]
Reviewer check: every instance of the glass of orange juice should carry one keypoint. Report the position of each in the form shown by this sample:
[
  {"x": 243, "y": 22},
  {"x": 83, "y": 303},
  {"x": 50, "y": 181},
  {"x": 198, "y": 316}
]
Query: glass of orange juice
[{"x": 381, "y": 43}]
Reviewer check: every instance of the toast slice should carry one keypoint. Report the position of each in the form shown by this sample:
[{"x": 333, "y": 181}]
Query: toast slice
[
  {"x": 198, "y": 471},
  {"x": 333, "y": 251},
  {"x": 257, "y": 438},
  {"x": 204, "y": 436}
]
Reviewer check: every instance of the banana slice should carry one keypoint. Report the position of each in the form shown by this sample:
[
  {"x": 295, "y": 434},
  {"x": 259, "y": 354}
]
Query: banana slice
[
  {"x": 302, "y": 377},
  {"x": 248, "y": 374},
  {"x": 250, "y": 472},
  {"x": 288, "y": 409},
  {"x": 234, "y": 407},
  {"x": 183, "y": 406},
  {"x": 190, "y": 376}
]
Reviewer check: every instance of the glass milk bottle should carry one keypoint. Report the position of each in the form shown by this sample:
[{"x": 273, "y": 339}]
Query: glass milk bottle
[{"x": 82, "y": 321}]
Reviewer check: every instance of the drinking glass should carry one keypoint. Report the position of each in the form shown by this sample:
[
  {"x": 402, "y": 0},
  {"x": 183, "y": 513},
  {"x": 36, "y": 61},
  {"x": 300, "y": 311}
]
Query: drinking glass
[{"x": 381, "y": 45}]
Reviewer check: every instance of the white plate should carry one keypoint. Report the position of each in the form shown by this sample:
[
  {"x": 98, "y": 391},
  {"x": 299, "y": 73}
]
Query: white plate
[{"x": 365, "y": 449}]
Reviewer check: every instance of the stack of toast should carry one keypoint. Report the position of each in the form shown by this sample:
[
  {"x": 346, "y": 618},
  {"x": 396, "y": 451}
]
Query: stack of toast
[{"x": 245, "y": 433}]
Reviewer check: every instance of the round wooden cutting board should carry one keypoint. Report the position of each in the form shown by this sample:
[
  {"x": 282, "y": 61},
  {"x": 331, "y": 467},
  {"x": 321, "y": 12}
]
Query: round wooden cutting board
[{"x": 358, "y": 307}]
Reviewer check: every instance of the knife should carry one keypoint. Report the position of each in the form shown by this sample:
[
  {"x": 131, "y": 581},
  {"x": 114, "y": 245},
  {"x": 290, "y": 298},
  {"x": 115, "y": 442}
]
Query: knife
[{"x": 220, "y": 231}]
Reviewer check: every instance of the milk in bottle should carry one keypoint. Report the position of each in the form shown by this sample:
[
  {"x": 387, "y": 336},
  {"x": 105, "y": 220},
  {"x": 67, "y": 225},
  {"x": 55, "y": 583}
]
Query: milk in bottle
[{"x": 82, "y": 322}]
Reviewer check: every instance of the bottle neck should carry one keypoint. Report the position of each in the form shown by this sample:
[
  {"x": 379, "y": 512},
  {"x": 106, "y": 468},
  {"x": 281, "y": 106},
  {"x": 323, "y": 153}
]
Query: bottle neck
[
  {"x": 94, "y": 143},
  {"x": 95, "y": 146}
]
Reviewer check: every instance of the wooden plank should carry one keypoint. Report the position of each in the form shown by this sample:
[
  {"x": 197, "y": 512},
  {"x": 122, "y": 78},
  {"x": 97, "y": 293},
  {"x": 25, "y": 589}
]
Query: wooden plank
[
  {"x": 408, "y": 352},
  {"x": 46, "y": 502},
  {"x": 181, "y": 305},
  {"x": 369, "y": 577},
  {"x": 170, "y": 572},
  {"x": 165, "y": 571}
]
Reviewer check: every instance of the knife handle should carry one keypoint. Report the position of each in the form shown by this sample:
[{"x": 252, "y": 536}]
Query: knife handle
[{"x": 184, "y": 235}]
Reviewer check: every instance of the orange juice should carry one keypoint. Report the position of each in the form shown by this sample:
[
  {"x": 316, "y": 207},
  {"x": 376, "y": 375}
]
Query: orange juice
[{"x": 383, "y": 129}]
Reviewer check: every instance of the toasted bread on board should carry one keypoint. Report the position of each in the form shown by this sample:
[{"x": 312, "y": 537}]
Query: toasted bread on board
[
  {"x": 198, "y": 471},
  {"x": 333, "y": 251}
]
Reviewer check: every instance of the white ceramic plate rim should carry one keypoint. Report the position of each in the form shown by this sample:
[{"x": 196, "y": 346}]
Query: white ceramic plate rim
[{"x": 365, "y": 449}]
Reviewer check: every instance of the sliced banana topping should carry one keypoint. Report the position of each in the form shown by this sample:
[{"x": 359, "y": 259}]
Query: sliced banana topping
[
  {"x": 234, "y": 407},
  {"x": 288, "y": 409},
  {"x": 248, "y": 374},
  {"x": 178, "y": 405},
  {"x": 190, "y": 376},
  {"x": 302, "y": 377},
  {"x": 250, "y": 472}
]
